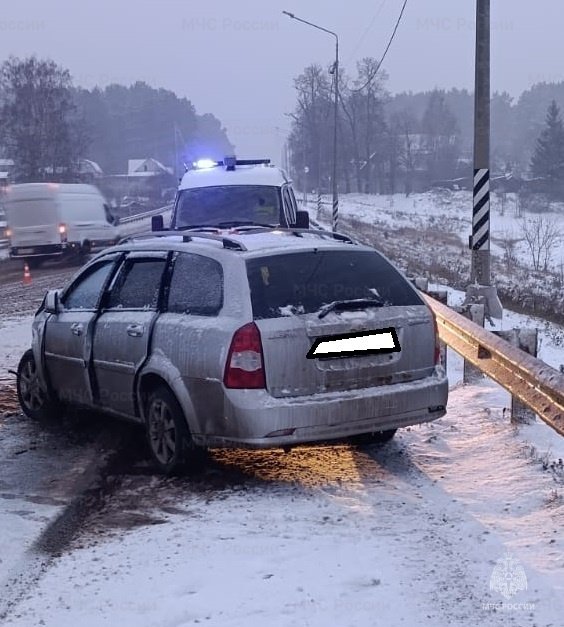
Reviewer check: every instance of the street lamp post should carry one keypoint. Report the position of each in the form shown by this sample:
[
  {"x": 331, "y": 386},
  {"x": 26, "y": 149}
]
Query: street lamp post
[{"x": 335, "y": 72}]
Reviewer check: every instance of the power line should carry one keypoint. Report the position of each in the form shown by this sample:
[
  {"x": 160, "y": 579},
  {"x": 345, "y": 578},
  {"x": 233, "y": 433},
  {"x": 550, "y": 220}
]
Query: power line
[
  {"x": 373, "y": 74},
  {"x": 363, "y": 36}
]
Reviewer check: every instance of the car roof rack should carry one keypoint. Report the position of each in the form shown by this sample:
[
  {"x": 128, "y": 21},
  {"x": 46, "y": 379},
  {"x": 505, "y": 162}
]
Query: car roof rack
[
  {"x": 228, "y": 242},
  {"x": 233, "y": 244},
  {"x": 297, "y": 232}
]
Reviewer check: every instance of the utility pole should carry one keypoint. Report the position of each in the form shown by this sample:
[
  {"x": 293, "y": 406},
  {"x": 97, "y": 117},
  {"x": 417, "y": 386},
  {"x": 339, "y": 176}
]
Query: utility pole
[
  {"x": 480, "y": 275},
  {"x": 480, "y": 242}
]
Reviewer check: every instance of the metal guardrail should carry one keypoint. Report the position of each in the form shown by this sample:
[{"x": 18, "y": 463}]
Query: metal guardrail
[
  {"x": 533, "y": 382},
  {"x": 147, "y": 214}
]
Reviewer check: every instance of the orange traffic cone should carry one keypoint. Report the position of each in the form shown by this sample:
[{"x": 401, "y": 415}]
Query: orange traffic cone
[{"x": 27, "y": 275}]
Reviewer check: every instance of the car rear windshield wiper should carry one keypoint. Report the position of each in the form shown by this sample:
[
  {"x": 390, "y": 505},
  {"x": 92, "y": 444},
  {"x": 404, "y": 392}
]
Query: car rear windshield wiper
[
  {"x": 342, "y": 305},
  {"x": 235, "y": 223},
  {"x": 227, "y": 224},
  {"x": 193, "y": 227}
]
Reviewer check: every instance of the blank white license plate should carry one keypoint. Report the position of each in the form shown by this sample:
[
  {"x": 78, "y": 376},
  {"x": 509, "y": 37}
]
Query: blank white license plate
[
  {"x": 355, "y": 344},
  {"x": 25, "y": 251}
]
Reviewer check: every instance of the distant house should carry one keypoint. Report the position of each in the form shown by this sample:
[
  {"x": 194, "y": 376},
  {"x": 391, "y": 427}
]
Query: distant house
[
  {"x": 147, "y": 178},
  {"x": 147, "y": 167}
]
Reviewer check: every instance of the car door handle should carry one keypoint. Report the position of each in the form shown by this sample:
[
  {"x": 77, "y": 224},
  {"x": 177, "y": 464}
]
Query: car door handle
[
  {"x": 77, "y": 328},
  {"x": 135, "y": 330}
]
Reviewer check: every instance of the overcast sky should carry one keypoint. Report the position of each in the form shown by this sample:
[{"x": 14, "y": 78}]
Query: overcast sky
[{"x": 237, "y": 59}]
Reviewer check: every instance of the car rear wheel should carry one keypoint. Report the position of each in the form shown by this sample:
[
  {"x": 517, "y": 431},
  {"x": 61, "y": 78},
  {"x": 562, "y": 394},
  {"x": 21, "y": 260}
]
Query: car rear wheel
[
  {"x": 169, "y": 438},
  {"x": 35, "y": 401}
]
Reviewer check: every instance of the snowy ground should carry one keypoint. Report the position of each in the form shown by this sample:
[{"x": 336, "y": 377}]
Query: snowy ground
[{"x": 405, "y": 534}]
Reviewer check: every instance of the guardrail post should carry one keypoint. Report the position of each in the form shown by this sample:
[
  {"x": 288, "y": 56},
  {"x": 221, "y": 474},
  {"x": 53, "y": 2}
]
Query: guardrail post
[
  {"x": 476, "y": 313},
  {"x": 526, "y": 340},
  {"x": 422, "y": 284},
  {"x": 318, "y": 204},
  {"x": 442, "y": 297}
]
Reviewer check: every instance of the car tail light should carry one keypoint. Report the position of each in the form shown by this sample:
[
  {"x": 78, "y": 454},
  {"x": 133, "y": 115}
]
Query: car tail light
[
  {"x": 8, "y": 233},
  {"x": 437, "y": 342},
  {"x": 63, "y": 232},
  {"x": 245, "y": 366}
]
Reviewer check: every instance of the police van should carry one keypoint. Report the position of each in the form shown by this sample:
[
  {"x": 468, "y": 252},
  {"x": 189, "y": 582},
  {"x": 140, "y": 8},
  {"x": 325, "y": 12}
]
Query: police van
[{"x": 234, "y": 193}]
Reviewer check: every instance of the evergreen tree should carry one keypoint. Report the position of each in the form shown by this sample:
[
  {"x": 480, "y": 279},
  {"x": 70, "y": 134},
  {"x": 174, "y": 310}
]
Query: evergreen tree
[{"x": 548, "y": 158}]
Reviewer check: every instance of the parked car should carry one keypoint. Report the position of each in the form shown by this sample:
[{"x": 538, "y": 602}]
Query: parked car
[
  {"x": 217, "y": 340},
  {"x": 50, "y": 220}
]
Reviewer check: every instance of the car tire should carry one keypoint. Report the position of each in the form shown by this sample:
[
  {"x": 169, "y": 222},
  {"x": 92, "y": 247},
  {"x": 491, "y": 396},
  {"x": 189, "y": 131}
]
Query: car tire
[
  {"x": 35, "y": 401},
  {"x": 168, "y": 436},
  {"x": 378, "y": 437}
]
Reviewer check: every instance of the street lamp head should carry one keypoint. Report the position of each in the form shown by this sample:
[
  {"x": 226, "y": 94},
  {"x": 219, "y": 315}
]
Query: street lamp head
[{"x": 289, "y": 14}]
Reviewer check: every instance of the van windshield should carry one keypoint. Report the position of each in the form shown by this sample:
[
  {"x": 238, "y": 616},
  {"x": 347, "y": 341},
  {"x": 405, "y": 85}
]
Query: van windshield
[{"x": 205, "y": 206}]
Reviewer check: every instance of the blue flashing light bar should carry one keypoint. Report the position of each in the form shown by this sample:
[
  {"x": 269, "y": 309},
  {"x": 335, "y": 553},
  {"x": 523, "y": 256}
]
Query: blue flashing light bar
[{"x": 228, "y": 162}]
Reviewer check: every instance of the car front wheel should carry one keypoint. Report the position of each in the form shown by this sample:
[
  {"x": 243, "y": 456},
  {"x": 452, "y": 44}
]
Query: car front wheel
[
  {"x": 35, "y": 401},
  {"x": 168, "y": 435}
]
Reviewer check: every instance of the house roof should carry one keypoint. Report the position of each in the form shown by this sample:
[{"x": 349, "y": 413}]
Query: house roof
[{"x": 146, "y": 167}]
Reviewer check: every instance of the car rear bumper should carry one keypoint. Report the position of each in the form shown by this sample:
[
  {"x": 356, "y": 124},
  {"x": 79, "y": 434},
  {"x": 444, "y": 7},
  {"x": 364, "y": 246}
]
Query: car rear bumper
[{"x": 253, "y": 418}]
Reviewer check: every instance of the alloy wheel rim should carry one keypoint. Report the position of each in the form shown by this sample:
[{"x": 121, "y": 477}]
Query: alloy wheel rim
[
  {"x": 30, "y": 389},
  {"x": 162, "y": 432}
]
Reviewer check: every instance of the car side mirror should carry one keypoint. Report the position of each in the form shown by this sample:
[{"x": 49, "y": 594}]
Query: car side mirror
[
  {"x": 302, "y": 219},
  {"x": 52, "y": 302},
  {"x": 157, "y": 223}
]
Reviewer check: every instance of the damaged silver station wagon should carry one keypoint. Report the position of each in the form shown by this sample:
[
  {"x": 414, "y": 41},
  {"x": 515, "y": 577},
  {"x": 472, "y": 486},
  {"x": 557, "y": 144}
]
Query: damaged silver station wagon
[{"x": 256, "y": 337}]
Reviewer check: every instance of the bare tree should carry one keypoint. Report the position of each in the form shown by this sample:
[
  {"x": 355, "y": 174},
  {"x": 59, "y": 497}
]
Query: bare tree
[
  {"x": 311, "y": 126},
  {"x": 405, "y": 124},
  {"x": 509, "y": 243},
  {"x": 542, "y": 235}
]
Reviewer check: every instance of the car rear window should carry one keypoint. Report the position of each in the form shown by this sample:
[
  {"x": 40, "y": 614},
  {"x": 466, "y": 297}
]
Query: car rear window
[{"x": 303, "y": 282}]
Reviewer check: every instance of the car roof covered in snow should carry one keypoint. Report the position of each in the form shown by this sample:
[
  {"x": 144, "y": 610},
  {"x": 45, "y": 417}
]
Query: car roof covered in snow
[
  {"x": 262, "y": 174},
  {"x": 254, "y": 244}
]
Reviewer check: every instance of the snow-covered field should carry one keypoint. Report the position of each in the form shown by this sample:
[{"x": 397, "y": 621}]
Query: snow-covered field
[{"x": 443, "y": 210}]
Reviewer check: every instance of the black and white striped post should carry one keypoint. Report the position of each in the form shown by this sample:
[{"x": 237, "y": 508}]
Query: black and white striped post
[
  {"x": 480, "y": 242},
  {"x": 335, "y": 214}
]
